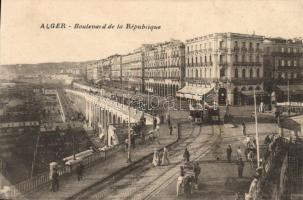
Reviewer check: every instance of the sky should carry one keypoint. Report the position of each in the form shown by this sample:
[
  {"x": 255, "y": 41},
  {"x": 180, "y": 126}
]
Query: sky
[{"x": 23, "y": 41}]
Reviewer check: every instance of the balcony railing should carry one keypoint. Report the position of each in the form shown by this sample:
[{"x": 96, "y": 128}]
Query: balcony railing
[
  {"x": 236, "y": 49},
  {"x": 223, "y": 49},
  {"x": 287, "y": 54},
  {"x": 222, "y": 64},
  {"x": 251, "y": 49},
  {"x": 243, "y": 49},
  {"x": 247, "y": 64}
]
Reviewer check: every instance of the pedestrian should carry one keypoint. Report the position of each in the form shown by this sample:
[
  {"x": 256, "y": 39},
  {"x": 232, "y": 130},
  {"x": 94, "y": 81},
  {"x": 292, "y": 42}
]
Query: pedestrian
[
  {"x": 156, "y": 158},
  {"x": 197, "y": 171},
  {"x": 243, "y": 129},
  {"x": 228, "y": 152},
  {"x": 168, "y": 119},
  {"x": 80, "y": 169},
  {"x": 239, "y": 153},
  {"x": 186, "y": 155},
  {"x": 240, "y": 164},
  {"x": 155, "y": 123},
  {"x": 55, "y": 181},
  {"x": 251, "y": 158},
  {"x": 165, "y": 159},
  {"x": 180, "y": 183},
  {"x": 170, "y": 129}
]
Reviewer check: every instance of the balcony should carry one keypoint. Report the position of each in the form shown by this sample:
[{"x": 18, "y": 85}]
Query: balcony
[
  {"x": 287, "y": 54},
  {"x": 244, "y": 49},
  {"x": 223, "y": 64},
  {"x": 236, "y": 49},
  {"x": 251, "y": 50},
  {"x": 222, "y": 49},
  {"x": 258, "y": 50},
  {"x": 199, "y": 80},
  {"x": 248, "y": 81},
  {"x": 247, "y": 64}
]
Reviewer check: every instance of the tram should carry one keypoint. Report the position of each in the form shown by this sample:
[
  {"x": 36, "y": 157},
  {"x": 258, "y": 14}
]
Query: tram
[{"x": 204, "y": 114}]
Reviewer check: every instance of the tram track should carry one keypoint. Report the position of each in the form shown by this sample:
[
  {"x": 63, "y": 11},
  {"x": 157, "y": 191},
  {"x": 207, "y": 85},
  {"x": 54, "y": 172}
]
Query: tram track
[
  {"x": 96, "y": 191},
  {"x": 127, "y": 182}
]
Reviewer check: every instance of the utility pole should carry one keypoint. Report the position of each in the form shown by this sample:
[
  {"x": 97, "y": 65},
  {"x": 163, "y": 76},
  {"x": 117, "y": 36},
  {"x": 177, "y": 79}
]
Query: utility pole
[
  {"x": 257, "y": 134},
  {"x": 129, "y": 136}
]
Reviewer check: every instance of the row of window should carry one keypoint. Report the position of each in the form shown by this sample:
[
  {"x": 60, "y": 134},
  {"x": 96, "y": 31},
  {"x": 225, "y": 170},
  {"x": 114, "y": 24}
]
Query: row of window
[
  {"x": 163, "y": 55},
  {"x": 285, "y": 75},
  {"x": 166, "y": 63},
  {"x": 222, "y": 58},
  {"x": 289, "y": 50},
  {"x": 222, "y": 44},
  {"x": 167, "y": 74},
  {"x": 287, "y": 63},
  {"x": 249, "y": 75},
  {"x": 251, "y": 58},
  {"x": 196, "y": 60},
  {"x": 196, "y": 73}
]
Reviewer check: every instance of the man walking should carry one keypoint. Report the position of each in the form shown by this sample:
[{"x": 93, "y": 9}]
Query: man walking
[
  {"x": 240, "y": 164},
  {"x": 243, "y": 129},
  {"x": 228, "y": 152},
  {"x": 186, "y": 155},
  {"x": 155, "y": 123}
]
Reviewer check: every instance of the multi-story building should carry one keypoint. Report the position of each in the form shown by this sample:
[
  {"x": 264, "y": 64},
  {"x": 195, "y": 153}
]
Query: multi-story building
[
  {"x": 105, "y": 71},
  {"x": 283, "y": 66},
  {"x": 164, "y": 67},
  {"x": 226, "y": 66},
  {"x": 132, "y": 70},
  {"x": 93, "y": 71},
  {"x": 116, "y": 70}
]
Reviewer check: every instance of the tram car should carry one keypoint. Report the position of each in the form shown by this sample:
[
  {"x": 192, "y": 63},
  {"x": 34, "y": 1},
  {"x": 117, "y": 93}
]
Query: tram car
[{"x": 204, "y": 114}]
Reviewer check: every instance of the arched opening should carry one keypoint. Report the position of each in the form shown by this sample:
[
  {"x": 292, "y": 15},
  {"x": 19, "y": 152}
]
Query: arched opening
[
  {"x": 236, "y": 73},
  {"x": 237, "y": 96},
  {"x": 243, "y": 73},
  {"x": 250, "y": 73}
]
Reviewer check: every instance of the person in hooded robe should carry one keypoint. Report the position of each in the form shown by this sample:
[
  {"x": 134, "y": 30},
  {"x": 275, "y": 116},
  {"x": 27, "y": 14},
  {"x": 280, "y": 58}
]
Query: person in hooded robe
[
  {"x": 156, "y": 158},
  {"x": 165, "y": 159}
]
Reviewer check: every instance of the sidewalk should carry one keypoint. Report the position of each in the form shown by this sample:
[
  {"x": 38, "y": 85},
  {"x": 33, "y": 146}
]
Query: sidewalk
[{"x": 70, "y": 185}]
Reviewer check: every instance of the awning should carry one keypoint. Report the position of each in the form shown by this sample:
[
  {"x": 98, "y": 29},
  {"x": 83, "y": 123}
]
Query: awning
[
  {"x": 293, "y": 89},
  {"x": 194, "y": 92},
  {"x": 251, "y": 92}
]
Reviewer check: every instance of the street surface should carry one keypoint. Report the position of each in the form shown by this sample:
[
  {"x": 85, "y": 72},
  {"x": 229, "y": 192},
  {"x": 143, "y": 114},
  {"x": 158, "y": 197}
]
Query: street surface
[
  {"x": 218, "y": 179},
  {"x": 144, "y": 181}
]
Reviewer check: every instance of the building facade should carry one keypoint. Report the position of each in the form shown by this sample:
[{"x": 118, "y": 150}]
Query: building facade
[
  {"x": 164, "y": 67},
  {"x": 283, "y": 66},
  {"x": 132, "y": 70},
  {"x": 116, "y": 69},
  {"x": 228, "y": 66},
  {"x": 93, "y": 71}
]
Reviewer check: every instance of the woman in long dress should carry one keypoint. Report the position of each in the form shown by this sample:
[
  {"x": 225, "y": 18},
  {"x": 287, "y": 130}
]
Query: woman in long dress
[
  {"x": 156, "y": 159},
  {"x": 165, "y": 160}
]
